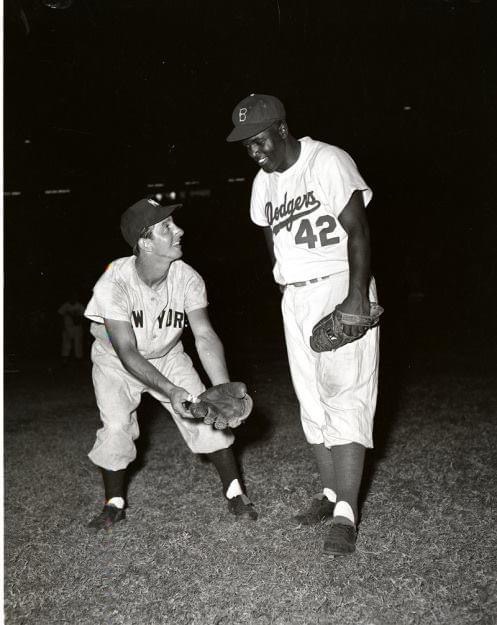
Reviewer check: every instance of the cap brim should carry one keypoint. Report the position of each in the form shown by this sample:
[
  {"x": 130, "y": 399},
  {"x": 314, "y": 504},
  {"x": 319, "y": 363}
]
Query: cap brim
[
  {"x": 239, "y": 133},
  {"x": 167, "y": 210}
]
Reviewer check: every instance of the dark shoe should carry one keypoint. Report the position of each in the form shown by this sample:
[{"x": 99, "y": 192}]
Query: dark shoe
[
  {"x": 320, "y": 509},
  {"x": 340, "y": 540},
  {"x": 242, "y": 508},
  {"x": 109, "y": 516}
]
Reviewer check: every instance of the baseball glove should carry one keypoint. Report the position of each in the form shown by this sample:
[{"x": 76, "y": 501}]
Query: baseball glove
[
  {"x": 328, "y": 335},
  {"x": 223, "y": 405}
]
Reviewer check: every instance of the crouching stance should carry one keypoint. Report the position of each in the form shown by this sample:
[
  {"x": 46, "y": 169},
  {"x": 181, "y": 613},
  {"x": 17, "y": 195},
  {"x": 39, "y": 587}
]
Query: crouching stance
[{"x": 139, "y": 308}]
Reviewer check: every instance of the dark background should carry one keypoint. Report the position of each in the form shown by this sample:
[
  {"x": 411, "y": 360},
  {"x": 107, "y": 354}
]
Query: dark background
[{"x": 106, "y": 97}]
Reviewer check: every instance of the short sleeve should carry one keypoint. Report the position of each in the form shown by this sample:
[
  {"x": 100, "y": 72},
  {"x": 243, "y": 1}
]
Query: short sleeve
[
  {"x": 339, "y": 177},
  {"x": 109, "y": 301},
  {"x": 257, "y": 212},
  {"x": 195, "y": 292}
]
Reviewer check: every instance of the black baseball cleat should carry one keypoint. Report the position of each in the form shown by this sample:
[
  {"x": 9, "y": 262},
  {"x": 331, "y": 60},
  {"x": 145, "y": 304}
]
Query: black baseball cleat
[
  {"x": 242, "y": 508},
  {"x": 109, "y": 516},
  {"x": 319, "y": 511},
  {"x": 340, "y": 540}
]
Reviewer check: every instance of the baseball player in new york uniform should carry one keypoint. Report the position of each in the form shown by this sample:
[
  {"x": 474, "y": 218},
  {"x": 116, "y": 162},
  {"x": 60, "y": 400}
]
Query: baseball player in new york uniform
[
  {"x": 310, "y": 200},
  {"x": 138, "y": 311}
]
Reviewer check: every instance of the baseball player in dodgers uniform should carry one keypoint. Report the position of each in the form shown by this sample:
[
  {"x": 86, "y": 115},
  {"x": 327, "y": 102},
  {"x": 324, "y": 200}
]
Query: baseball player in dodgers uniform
[
  {"x": 138, "y": 311},
  {"x": 310, "y": 199}
]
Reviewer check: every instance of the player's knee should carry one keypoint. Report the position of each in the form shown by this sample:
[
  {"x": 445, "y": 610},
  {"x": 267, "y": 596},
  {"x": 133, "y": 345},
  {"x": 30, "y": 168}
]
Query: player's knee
[{"x": 121, "y": 427}]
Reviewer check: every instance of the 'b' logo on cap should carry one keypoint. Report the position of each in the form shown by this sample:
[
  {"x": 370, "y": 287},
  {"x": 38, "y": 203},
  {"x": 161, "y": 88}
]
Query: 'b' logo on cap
[{"x": 242, "y": 115}]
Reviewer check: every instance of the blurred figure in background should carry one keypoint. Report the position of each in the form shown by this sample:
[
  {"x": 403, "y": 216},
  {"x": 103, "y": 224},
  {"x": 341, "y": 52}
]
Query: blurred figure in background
[{"x": 72, "y": 329}]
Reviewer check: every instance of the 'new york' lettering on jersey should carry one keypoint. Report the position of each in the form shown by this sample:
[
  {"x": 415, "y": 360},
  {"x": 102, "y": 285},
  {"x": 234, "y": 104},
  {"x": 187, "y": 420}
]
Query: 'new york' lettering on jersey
[
  {"x": 302, "y": 205},
  {"x": 179, "y": 319},
  {"x": 157, "y": 317}
]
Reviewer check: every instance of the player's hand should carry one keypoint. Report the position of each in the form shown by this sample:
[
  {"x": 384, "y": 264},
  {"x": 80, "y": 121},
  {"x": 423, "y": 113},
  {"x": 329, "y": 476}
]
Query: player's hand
[
  {"x": 180, "y": 398},
  {"x": 354, "y": 305}
]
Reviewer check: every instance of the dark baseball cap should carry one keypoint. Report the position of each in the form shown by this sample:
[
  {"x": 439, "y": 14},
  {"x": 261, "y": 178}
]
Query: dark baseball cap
[
  {"x": 254, "y": 114},
  {"x": 142, "y": 214}
]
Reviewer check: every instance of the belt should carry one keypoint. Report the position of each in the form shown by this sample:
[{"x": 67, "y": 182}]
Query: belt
[{"x": 312, "y": 281}]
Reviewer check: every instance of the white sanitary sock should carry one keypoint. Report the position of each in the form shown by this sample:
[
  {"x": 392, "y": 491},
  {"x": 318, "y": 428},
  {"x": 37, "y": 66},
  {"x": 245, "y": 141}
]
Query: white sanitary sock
[
  {"x": 330, "y": 495},
  {"x": 234, "y": 489},
  {"x": 342, "y": 508},
  {"x": 118, "y": 502}
]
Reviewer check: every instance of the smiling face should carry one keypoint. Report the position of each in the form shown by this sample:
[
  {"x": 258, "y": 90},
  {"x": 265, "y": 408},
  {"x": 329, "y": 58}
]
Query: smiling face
[
  {"x": 166, "y": 240},
  {"x": 269, "y": 148}
]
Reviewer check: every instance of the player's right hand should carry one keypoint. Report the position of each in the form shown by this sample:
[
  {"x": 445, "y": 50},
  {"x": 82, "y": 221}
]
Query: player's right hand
[{"x": 178, "y": 397}]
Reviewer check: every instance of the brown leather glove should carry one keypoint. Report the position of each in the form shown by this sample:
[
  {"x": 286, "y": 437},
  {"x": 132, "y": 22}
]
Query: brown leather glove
[{"x": 328, "y": 335}]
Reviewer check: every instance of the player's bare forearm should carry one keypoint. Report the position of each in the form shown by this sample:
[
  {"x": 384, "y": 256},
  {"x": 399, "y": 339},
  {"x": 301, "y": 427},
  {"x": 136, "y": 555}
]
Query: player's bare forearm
[
  {"x": 359, "y": 252},
  {"x": 124, "y": 343},
  {"x": 140, "y": 368},
  {"x": 211, "y": 353},
  {"x": 209, "y": 347},
  {"x": 268, "y": 235},
  {"x": 353, "y": 220}
]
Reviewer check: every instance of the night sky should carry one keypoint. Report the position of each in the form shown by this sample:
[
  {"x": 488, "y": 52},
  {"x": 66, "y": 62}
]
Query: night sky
[{"x": 105, "y": 97}]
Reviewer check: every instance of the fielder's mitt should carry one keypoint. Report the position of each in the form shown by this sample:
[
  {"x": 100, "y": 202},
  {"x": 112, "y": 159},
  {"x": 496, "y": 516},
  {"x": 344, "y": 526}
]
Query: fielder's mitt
[
  {"x": 223, "y": 405},
  {"x": 328, "y": 334}
]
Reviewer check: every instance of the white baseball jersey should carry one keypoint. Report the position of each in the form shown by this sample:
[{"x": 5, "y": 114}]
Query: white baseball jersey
[
  {"x": 156, "y": 316},
  {"x": 301, "y": 206}
]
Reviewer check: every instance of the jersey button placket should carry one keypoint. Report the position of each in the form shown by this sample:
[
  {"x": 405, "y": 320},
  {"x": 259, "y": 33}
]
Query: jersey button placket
[{"x": 155, "y": 327}]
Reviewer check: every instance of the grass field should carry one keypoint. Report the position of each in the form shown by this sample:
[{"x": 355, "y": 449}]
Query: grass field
[{"x": 427, "y": 546}]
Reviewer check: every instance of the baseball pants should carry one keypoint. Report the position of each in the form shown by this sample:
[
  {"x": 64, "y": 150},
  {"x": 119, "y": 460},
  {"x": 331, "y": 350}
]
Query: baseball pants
[
  {"x": 337, "y": 390},
  {"x": 118, "y": 396}
]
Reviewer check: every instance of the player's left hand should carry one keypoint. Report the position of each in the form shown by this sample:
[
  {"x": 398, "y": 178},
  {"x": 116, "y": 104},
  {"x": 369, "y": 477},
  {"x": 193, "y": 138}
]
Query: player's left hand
[
  {"x": 329, "y": 333},
  {"x": 355, "y": 305},
  {"x": 223, "y": 406}
]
